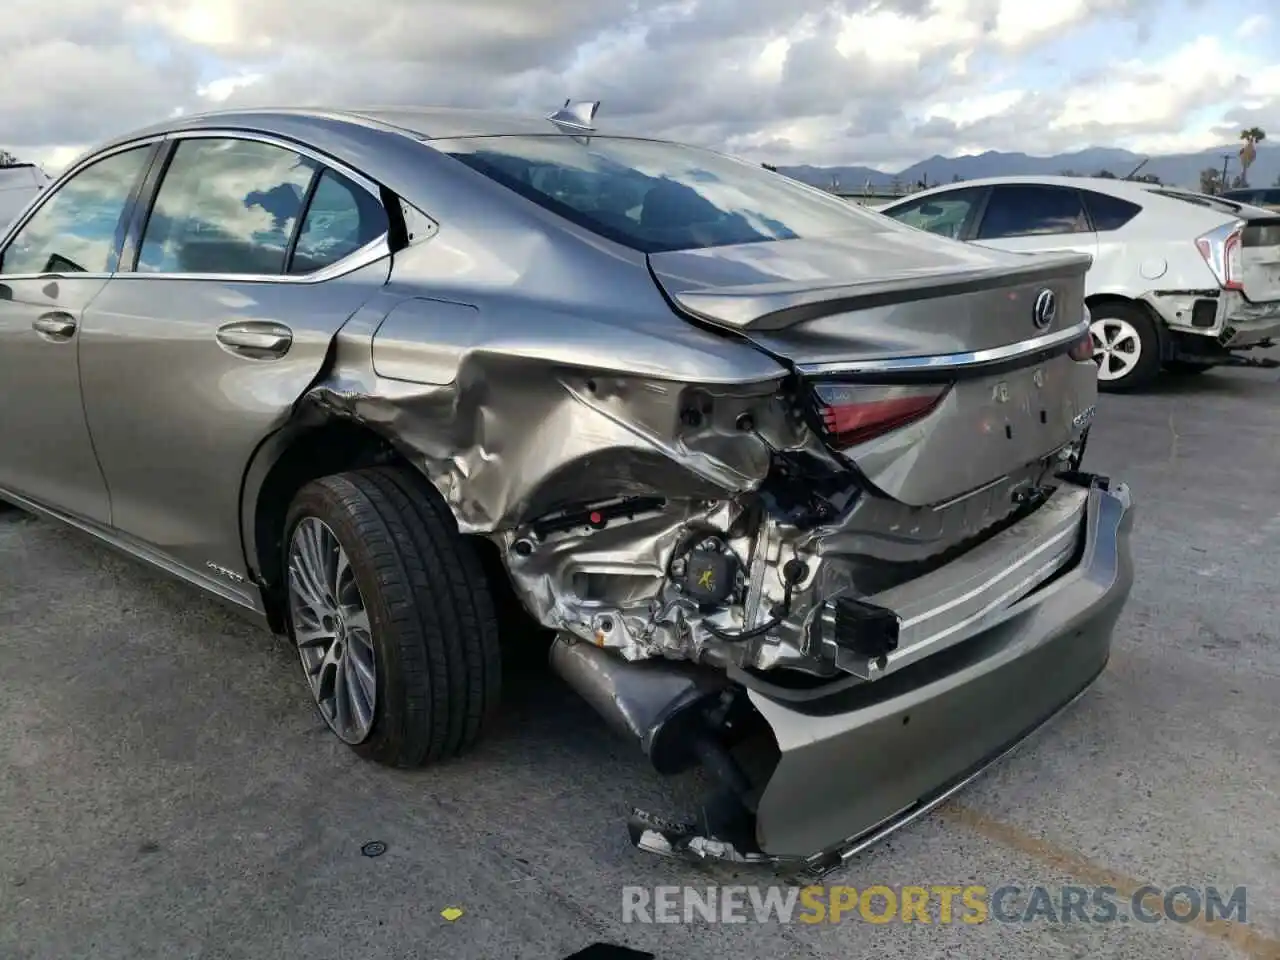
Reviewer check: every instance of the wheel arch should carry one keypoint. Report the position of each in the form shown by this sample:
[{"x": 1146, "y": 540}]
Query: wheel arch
[
  {"x": 307, "y": 449},
  {"x": 304, "y": 450},
  {"x": 1108, "y": 298}
]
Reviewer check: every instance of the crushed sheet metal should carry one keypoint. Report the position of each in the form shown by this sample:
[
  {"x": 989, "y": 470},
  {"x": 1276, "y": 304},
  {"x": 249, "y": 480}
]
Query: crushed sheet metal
[{"x": 705, "y": 457}]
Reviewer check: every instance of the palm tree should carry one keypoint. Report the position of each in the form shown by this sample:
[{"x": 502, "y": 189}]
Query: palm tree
[{"x": 1249, "y": 152}]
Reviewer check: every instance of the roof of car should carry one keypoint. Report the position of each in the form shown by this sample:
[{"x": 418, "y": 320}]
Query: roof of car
[{"x": 423, "y": 123}]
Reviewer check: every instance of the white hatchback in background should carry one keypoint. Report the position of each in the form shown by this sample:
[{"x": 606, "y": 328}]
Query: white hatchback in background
[
  {"x": 1180, "y": 280},
  {"x": 19, "y": 185}
]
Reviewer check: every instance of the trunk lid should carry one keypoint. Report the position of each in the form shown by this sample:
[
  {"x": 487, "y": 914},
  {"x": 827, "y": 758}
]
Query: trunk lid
[
  {"x": 1260, "y": 258},
  {"x": 904, "y": 313}
]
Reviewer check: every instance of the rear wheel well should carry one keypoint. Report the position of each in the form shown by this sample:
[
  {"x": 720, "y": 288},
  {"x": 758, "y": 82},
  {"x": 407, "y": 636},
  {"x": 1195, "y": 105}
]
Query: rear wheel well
[
  {"x": 332, "y": 447},
  {"x": 338, "y": 446},
  {"x": 1115, "y": 299}
]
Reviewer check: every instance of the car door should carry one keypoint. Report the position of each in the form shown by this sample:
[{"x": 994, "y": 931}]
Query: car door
[
  {"x": 56, "y": 261},
  {"x": 1036, "y": 218},
  {"x": 250, "y": 258}
]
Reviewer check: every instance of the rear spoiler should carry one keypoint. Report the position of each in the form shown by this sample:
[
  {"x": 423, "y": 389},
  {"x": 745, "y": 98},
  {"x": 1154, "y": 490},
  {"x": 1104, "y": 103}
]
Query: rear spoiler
[{"x": 777, "y": 306}]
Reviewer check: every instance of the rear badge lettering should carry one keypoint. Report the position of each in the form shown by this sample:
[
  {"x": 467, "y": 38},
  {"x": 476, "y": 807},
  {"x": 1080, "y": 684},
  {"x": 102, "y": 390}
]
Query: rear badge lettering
[{"x": 1083, "y": 418}]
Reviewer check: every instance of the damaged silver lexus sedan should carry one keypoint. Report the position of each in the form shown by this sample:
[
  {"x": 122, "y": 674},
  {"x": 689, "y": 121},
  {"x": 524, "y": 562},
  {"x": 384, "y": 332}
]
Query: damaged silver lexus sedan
[{"x": 797, "y": 489}]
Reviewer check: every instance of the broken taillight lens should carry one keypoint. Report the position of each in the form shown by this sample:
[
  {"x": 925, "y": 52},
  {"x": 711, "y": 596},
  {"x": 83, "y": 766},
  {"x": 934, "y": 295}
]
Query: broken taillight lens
[{"x": 855, "y": 413}]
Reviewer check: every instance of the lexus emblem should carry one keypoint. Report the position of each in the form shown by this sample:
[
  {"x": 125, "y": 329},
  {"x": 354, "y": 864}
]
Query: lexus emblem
[{"x": 1044, "y": 309}]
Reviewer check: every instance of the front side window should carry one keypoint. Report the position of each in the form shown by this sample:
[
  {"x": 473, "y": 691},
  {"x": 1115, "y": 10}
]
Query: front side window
[
  {"x": 226, "y": 206},
  {"x": 657, "y": 196},
  {"x": 75, "y": 230},
  {"x": 1025, "y": 210},
  {"x": 341, "y": 219},
  {"x": 944, "y": 214}
]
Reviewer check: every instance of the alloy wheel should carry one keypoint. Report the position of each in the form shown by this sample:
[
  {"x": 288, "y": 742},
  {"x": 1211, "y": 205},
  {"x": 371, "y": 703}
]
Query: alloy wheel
[
  {"x": 1117, "y": 347},
  {"x": 331, "y": 627}
]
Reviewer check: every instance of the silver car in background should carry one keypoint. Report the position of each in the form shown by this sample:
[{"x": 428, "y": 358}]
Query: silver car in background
[{"x": 794, "y": 491}]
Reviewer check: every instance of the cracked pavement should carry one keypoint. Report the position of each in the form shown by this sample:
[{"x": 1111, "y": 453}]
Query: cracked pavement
[{"x": 168, "y": 791}]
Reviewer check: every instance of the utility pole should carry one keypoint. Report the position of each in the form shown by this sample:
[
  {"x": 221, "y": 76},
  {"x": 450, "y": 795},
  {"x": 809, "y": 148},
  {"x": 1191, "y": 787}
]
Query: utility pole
[{"x": 1226, "y": 159}]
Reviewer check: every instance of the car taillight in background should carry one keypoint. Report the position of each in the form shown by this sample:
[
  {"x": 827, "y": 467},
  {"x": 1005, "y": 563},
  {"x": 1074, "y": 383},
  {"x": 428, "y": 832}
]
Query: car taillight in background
[
  {"x": 1221, "y": 251},
  {"x": 1083, "y": 348},
  {"x": 854, "y": 413}
]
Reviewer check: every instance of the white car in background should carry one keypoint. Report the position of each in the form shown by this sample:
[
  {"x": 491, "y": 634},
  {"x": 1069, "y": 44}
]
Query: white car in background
[
  {"x": 19, "y": 185},
  {"x": 1180, "y": 280}
]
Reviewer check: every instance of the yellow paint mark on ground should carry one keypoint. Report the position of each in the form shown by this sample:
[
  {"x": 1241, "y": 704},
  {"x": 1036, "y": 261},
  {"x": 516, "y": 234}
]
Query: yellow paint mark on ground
[
  {"x": 1247, "y": 939},
  {"x": 451, "y": 913}
]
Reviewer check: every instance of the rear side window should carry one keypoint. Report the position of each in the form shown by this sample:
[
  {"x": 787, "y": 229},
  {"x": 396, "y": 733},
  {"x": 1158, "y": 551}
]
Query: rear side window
[
  {"x": 944, "y": 214},
  {"x": 226, "y": 206},
  {"x": 656, "y": 196},
  {"x": 1024, "y": 210},
  {"x": 341, "y": 219},
  {"x": 1108, "y": 212}
]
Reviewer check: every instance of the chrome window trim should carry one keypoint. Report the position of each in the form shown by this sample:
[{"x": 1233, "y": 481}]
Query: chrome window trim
[
  {"x": 49, "y": 192},
  {"x": 371, "y": 252},
  {"x": 950, "y": 361}
]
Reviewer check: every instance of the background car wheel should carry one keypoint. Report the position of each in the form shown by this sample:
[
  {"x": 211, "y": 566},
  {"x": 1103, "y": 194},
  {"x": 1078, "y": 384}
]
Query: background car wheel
[
  {"x": 1187, "y": 367},
  {"x": 1126, "y": 347},
  {"x": 392, "y": 616}
]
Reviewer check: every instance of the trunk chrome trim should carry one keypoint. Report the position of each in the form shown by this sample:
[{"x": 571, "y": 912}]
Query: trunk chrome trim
[{"x": 950, "y": 361}]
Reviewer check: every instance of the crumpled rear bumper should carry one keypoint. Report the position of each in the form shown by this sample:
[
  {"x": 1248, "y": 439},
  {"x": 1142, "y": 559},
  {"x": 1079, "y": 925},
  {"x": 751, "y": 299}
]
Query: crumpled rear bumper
[{"x": 858, "y": 765}]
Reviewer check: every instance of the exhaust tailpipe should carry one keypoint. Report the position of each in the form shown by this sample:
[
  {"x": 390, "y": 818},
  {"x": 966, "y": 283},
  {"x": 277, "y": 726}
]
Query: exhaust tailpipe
[{"x": 659, "y": 704}]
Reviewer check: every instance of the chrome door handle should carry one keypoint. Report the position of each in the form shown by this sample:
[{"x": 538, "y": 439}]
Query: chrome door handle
[
  {"x": 55, "y": 326},
  {"x": 259, "y": 340}
]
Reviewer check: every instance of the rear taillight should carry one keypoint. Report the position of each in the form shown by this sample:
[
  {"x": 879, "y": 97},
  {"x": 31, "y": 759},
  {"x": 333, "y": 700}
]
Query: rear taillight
[
  {"x": 1221, "y": 251},
  {"x": 1082, "y": 349},
  {"x": 855, "y": 413}
]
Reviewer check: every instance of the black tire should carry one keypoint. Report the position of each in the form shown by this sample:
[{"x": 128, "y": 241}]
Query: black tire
[
  {"x": 431, "y": 613},
  {"x": 1147, "y": 366},
  {"x": 1186, "y": 368}
]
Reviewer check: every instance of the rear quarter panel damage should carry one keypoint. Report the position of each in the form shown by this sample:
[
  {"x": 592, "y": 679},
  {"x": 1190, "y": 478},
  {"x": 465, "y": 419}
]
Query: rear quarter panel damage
[{"x": 517, "y": 410}]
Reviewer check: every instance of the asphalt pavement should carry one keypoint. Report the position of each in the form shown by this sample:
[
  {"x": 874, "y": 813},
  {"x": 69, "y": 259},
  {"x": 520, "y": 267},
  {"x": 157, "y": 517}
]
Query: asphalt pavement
[{"x": 166, "y": 789}]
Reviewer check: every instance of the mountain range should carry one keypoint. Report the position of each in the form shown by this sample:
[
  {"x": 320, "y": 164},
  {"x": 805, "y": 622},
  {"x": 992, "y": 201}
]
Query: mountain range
[{"x": 1182, "y": 169}]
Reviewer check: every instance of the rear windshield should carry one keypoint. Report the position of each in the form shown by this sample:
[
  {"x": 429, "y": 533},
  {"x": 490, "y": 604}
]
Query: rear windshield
[{"x": 657, "y": 196}]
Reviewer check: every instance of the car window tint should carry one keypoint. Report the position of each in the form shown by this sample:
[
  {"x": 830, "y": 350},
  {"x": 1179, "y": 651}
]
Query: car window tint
[
  {"x": 1021, "y": 210},
  {"x": 341, "y": 219},
  {"x": 944, "y": 214},
  {"x": 225, "y": 206},
  {"x": 1108, "y": 212},
  {"x": 74, "y": 231},
  {"x": 656, "y": 196}
]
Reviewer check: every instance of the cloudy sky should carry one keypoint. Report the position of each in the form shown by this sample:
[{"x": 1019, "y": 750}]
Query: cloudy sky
[{"x": 880, "y": 82}]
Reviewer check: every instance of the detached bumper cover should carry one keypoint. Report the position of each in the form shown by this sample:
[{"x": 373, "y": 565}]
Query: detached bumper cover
[{"x": 858, "y": 765}]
